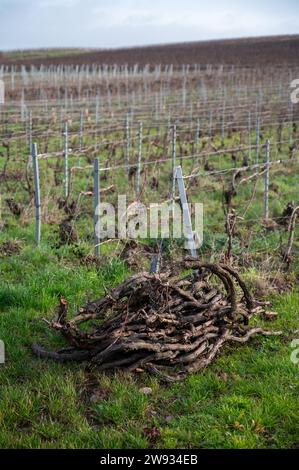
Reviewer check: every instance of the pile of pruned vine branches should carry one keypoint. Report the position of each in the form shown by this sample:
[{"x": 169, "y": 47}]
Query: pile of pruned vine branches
[{"x": 160, "y": 323}]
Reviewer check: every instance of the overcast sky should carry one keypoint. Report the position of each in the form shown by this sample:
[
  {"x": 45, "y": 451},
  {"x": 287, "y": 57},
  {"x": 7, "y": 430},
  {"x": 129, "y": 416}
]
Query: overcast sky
[{"x": 116, "y": 23}]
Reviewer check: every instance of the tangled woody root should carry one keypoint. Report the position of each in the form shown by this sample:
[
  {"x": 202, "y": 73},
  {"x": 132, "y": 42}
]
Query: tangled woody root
[{"x": 160, "y": 323}]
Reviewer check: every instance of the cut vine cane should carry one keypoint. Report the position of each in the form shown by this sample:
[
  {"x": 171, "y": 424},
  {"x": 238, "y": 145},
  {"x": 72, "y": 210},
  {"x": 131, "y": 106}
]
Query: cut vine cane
[{"x": 160, "y": 323}]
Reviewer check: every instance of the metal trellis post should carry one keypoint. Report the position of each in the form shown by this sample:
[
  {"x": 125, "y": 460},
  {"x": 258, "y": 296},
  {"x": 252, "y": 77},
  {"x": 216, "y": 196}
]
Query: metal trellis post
[
  {"x": 139, "y": 159},
  {"x": 173, "y": 160},
  {"x": 66, "y": 160},
  {"x": 267, "y": 179},
  {"x": 96, "y": 201},
  {"x": 186, "y": 212},
  {"x": 37, "y": 199}
]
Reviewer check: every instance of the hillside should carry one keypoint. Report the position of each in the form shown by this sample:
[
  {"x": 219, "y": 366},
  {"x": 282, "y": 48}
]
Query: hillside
[{"x": 274, "y": 50}]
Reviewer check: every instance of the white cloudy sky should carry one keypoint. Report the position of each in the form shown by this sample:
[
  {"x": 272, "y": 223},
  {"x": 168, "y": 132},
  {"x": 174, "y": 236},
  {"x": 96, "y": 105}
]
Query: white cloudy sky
[{"x": 115, "y": 23}]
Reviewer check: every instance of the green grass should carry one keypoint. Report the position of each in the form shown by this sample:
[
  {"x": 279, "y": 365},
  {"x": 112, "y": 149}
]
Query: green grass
[{"x": 247, "y": 399}]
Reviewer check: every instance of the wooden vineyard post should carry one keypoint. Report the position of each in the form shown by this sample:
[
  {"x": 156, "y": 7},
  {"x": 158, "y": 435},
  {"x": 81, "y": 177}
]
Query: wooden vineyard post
[
  {"x": 37, "y": 200},
  {"x": 267, "y": 179},
  {"x": 96, "y": 204},
  {"x": 186, "y": 211}
]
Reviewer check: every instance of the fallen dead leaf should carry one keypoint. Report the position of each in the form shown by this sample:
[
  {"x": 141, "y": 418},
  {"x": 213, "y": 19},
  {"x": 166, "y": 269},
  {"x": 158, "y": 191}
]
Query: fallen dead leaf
[
  {"x": 238, "y": 426},
  {"x": 257, "y": 427}
]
